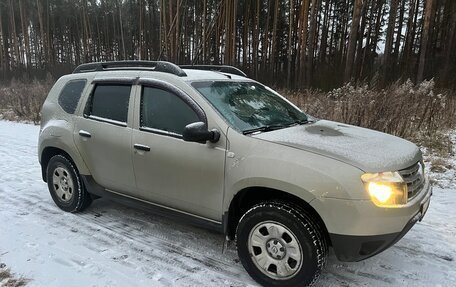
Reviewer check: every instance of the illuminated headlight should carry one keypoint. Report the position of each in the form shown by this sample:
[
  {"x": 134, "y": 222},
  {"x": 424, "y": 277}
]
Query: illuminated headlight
[{"x": 386, "y": 189}]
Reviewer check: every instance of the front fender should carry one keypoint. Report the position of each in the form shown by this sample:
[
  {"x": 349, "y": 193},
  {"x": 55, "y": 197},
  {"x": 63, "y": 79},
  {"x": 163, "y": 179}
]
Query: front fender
[{"x": 253, "y": 162}]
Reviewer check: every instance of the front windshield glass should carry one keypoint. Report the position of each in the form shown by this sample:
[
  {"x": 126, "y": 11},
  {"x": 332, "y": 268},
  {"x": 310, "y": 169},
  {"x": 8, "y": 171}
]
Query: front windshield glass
[{"x": 248, "y": 106}]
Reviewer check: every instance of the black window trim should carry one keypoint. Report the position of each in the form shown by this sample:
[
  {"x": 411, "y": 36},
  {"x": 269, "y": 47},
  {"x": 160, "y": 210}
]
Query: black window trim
[
  {"x": 104, "y": 120},
  {"x": 115, "y": 81},
  {"x": 80, "y": 97},
  {"x": 107, "y": 82},
  {"x": 158, "y": 84},
  {"x": 160, "y": 132}
]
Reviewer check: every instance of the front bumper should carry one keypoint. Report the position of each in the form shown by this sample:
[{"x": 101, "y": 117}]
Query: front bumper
[{"x": 356, "y": 248}]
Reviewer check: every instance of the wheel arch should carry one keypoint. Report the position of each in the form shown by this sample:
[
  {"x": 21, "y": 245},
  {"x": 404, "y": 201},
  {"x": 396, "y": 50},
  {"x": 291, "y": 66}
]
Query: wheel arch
[
  {"x": 47, "y": 153},
  {"x": 247, "y": 197}
]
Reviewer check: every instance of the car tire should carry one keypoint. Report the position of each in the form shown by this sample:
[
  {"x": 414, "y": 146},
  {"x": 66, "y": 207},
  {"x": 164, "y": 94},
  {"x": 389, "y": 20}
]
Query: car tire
[
  {"x": 280, "y": 244},
  {"x": 65, "y": 185}
]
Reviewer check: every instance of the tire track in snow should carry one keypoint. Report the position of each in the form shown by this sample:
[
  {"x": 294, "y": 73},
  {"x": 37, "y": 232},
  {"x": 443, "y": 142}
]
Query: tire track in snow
[{"x": 111, "y": 230}]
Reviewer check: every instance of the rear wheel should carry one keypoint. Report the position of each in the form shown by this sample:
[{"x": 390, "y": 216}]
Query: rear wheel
[
  {"x": 65, "y": 185},
  {"x": 281, "y": 245}
]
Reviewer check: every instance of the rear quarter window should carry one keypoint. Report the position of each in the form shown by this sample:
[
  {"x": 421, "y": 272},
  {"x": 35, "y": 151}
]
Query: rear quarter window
[{"x": 70, "y": 95}]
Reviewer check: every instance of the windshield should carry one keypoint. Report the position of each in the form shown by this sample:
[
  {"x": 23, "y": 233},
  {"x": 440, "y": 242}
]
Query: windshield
[{"x": 249, "y": 106}]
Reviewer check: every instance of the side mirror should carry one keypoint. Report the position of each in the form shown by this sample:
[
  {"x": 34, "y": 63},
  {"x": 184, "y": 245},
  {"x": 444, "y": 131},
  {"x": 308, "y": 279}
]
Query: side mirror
[{"x": 197, "y": 132}]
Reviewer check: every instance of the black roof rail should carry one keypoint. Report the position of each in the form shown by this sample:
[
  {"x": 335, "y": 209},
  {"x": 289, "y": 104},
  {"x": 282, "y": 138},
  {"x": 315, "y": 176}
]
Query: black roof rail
[
  {"x": 157, "y": 66},
  {"x": 216, "y": 68}
]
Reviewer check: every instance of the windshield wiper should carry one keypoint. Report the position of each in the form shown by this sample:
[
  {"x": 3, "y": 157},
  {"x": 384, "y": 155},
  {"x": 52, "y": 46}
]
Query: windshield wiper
[
  {"x": 264, "y": 129},
  {"x": 299, "y": 122},
  {"x": 275, "y": 127}
]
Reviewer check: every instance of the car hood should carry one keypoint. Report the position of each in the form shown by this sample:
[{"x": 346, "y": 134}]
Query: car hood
[{"x": 366, "y": 149}]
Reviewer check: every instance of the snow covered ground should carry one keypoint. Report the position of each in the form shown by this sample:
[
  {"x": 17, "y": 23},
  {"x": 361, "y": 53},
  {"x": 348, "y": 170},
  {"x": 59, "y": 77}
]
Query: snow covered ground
[{"x": 113, "y": 245}]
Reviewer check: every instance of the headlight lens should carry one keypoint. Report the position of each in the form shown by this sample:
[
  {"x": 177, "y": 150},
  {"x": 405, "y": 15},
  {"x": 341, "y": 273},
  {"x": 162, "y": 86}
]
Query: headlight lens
[{"x": 386, "y": 189}]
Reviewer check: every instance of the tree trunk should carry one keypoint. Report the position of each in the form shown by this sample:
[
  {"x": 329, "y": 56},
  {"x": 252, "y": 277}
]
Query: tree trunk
[
  {"x": 124, "y": 55},
  {"x": 204, "y": 31},
  {"x": 274, "y": 38},
  {"x": 304, "y": 25},
  {"x": 3, "y": 61},
  {"x": 233, "y": 30},
  {"x": 290, "y": 40},
  {"x": 425, "y": 39},
  {"x": 359, "y": 49},
  {"x": 48, "y": 35},
  {"x": 324, "y": 33},
  {"x": 255, "y": 39},
  {"x": 449, "y": 47},
  {"x": 406, "y": 51},
  {"x": 352, "y": 40},
  {"x": 312, "y": 32},
  {"x": 141, "y": 31},
  {"x": 177, "y": 38},
  {"x": 25, "y": 33},
  {"x": 161, "y": 29},
  {"x": 399, "y": 31},
  {"x": 387, "y": 61},
  {"x": 245, "y": 34},
  {"x": 13, "y": 34},
  {"x": 265, "y": 43},
  {"x": 168, "y": 33}
]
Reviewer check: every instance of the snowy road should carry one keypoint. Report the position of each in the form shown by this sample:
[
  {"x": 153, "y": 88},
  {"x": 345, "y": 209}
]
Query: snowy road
[{"x": 113, "y": 245}]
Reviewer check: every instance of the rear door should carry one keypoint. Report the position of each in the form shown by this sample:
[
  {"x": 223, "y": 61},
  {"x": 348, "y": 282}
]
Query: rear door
[
  {"x": 182, "y": 175},
  {"x": 103, "y": 135}
]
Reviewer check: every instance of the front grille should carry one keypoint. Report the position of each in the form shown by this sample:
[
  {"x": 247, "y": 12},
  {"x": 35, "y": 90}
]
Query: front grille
[{"x": 414, "y": 177}]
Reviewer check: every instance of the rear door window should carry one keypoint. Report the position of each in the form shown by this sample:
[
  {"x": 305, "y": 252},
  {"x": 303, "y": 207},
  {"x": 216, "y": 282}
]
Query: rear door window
[{"x": 110, "y": 102}]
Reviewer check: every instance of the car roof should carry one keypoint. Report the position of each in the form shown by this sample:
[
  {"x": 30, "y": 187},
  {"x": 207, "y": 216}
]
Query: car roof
[
  {"x": 161, "y": 69},
  {"x": 192, "y": 75},
  {"x": 201, "y": 75}
]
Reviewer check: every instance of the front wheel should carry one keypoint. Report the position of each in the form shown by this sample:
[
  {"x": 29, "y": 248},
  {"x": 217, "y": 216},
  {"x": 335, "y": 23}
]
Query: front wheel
[{"x": 280, "y": 245}]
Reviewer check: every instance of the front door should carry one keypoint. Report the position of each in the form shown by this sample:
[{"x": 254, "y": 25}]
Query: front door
[{"x": 182, "y": 175}]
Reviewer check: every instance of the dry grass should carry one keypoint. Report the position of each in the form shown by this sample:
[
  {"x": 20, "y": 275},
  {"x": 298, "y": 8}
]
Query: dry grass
[
  {"x": 440, "y": 165},
  {"x": 415, "y": 112},
  {"x": 22, "y": 99},
  {"x": 8, "y": 279}
]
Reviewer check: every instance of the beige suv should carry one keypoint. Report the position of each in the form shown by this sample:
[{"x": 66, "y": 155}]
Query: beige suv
[{"x": 208, "y": 145}]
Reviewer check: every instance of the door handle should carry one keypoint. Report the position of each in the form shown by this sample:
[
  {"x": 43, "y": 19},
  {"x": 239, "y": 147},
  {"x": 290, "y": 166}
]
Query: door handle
[
  {"x": 85, "y": 134},
  {"x": 141, "y": 147}
]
